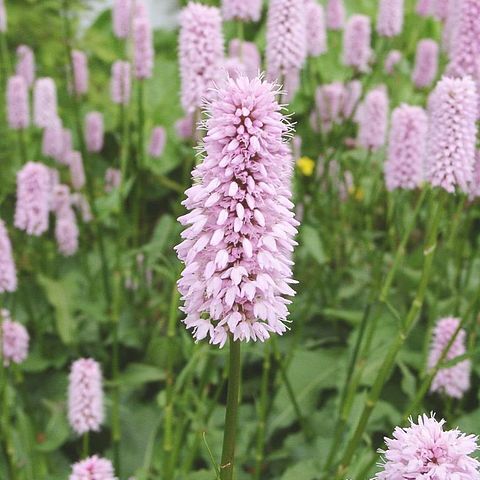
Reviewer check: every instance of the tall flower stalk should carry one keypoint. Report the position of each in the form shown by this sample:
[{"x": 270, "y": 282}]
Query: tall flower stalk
[{"x": 233, "y": 286}]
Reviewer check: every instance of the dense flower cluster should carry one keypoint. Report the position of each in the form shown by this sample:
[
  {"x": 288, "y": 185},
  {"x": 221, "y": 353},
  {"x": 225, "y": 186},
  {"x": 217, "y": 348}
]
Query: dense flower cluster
[
  {"x": 406, "y": 147},
  {"x": 8, "y": 272},
  {"x": 201, "y": 53},
  {"x": 286, "y": 41},
  {"x": 77, "y": 172},
  {"x": 143, "y": 47},
  {"x": 18, "y": 110},
  {"x": 26, "y": 64},
  {"x": 80, "y": 72},
  {"x": 426, "y": 63},
  {"x": 357, "y": 51},
  {"x": 246, "y": 10},
  {"x": 44, "y": 102},
  {"x": 237, "y": 247},
  {"x": 15, "y": 339},
  {"x": 373, "y": 119},
  {"x": 157, "y": 142},
  {"x": 316, "y": 28},
  {"x": 85, "y": 396},
  {"x": 453, "y": 381},
  {"x": 393, "y": 58},
  {"x": 66, "y": 229},
  {"x": 390, "y": 17},
  {"x": 426, "y": 451},
  {"x": 452, "y": 133},
  {"x": 335, "y": 14},
  {"x": 121, "y": 16},
  {"x": 93, "y": 468},
  {"x": 33, "y": 198},
  {"x": 121, "y": 84},
  {"x": 94, "y": 131}
]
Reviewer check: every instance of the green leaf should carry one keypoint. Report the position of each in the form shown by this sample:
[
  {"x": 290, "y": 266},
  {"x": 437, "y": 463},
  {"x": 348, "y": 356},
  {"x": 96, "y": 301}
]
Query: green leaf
[
  {"x": 58, "y": 293},
  {"x": 310, "y": 238},
  {"x": 139, "y": 373}
]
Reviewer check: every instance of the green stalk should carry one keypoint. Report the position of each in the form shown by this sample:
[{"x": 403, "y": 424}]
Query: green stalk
[
  {"x": 343, "y": 417},
  {"x": 4, "y": 56},
  {"x": 22, "y": 146},
  {"x": 401, "y": 248},
  {"x": 389, "y": 361},
  {"x": 168, "y": 428},
  {"x": 263, "y": 412},
  {"x": 85, "y": 445},
  {"x": 227, "y": 465},
  {"x": 241, "y": 36}
]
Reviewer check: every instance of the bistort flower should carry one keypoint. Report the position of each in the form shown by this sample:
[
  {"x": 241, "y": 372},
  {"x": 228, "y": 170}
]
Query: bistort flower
[
  {"x": 85, "y": 396},
  {"x": 427, "y": 451},
  {"x": 240, "y": 236},
  {"x": 453, "y": 381}
]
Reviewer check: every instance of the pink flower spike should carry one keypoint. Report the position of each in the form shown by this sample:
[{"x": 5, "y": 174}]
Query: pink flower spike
[
  {"x": 424, "y": 8},
  {"x": 67, "y": 146},
  {"x": 424, "y": 450},
  {"x": 245, "y": 10},
  {"x": 18, "y": 111},
  {"x": 184, "y": 127},
  {"x": 80, "y": 72},
  {"x": 453, "y": 381},
  {"x": 26, "y": 64},
  {"x": 157, "y": 142},
  {"x": 440, "y": 9},
  {"x": 373, "y": 120},
  {"x": 8, "y": 271},
  {"x": 426, "y": 63},
  {"x": 406, "y": 148},
  {"x": 352, "y": 95},
  {"x": 335, "y": 14},
  {"x": 44, "y": 102},
  {"x": 200, "y": 67},
  {"x": 33, "y": 198},
  {"x": 94, "y": 131},
  {"x": 286, "y": 41},
  {"x": 52, "y": 141},
  {"x": 85, "y": 396},
  {"x": 394, "y": 57},
  {"x": 77, "y": 172},
  {"x": 93, "y": 468},
  {"x": 121, "y": 16},
  {"x": 143, "y": 47},
  {"x": 66, "y": 230},
  {"x": 316, "y": 29},
  {"x": 465, "y": 41},
  {"x": 240, "y": 226},
  {"x": 452, "y": 134},
  {"x": 113, "y": 179},
  {"x": 474, "y": 191},
  {"x": 248, "y": 55},
  {"x": 390, "y": 17},
  {"x": 15, "y": 340},
  {"x": 121, "y": 83},
  {"x": 357, "y": 51}
]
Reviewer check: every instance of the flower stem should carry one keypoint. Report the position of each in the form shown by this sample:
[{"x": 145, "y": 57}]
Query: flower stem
[
  {"x": 229, "y": 437},
  {"x": 168, "y": 428},
  {"x": 263, "y": 412},
  {"x": 389, "y": 361},
  {"x": 401, "y": 248},
  {"x": 85, "y": 445}
]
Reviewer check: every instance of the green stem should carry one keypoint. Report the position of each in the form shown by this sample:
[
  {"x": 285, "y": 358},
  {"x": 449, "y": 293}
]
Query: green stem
[
  {"x": 85, "y": 445},
  {"x": 227, "y": 465},
  {"x": 4, "y": 56},
  {"x": 22, "y": 146},
  {"x": 263, "y": 412},
  {"x": 168, "y": 429},
  {"x": 389, "y": 361},
  {"x": 401, "y": 248}
]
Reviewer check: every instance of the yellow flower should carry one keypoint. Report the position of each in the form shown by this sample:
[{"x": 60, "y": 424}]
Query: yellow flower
[
  {"x": 306, "y": 166},
  {"x": 357, "y": 193}
]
